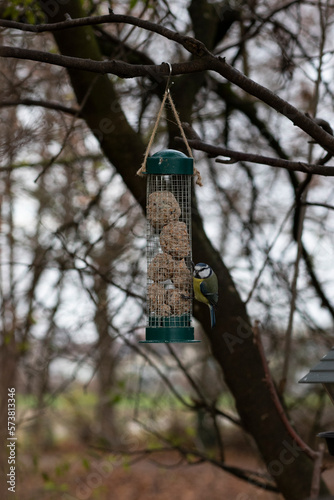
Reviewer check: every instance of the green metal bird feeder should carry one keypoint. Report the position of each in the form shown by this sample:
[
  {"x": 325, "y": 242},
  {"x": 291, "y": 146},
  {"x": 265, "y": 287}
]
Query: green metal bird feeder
[
  {"x": 323, "y": 373},
  {"x": 169, "y": 257}
]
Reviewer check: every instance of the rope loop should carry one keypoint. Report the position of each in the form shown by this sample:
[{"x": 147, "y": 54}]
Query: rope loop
[{"x": 168, "y": 95}]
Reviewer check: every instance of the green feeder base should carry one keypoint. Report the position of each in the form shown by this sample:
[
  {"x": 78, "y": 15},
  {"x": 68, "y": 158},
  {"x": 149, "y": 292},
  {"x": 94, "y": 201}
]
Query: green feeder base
[{"x": 169, "y": 335}]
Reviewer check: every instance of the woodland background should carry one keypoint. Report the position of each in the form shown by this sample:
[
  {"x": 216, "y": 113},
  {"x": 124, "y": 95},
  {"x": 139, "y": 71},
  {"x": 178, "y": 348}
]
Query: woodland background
[{"x": 99, "y": 415}]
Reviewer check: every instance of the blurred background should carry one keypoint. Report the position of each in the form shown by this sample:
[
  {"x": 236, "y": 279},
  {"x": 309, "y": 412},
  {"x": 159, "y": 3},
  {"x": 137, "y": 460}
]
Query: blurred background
[{"x": 98, "y": 414}]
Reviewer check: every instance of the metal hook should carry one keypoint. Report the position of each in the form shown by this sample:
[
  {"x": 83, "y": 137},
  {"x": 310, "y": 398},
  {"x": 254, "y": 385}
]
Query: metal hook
[{"x": 169, "y": 75}]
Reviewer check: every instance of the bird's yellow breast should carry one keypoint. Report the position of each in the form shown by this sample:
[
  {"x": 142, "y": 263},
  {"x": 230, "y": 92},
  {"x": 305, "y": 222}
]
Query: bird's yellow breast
[{"x": 197, "y": 291}]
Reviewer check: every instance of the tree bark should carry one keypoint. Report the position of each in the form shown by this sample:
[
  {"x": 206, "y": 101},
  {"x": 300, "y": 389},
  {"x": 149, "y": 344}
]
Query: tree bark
[
  {"x": 106, "y": 369},
  {"x": 232, "y": 340}
]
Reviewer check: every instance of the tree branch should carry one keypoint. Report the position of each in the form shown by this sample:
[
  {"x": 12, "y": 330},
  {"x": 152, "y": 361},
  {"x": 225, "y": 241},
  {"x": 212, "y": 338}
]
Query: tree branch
[
  {"x": 254, "y": 158},
  {"x": 269, "y": 381},
  {"x": 252, "y": 477},
  {"x": 192, "y": 45},
  {"x": 265, "y": 95},
  {"x": 118, "y": 68},
  {"x": 44, "y": 104}
]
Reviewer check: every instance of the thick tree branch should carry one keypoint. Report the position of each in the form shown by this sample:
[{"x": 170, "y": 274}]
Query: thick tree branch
[
  {"x": 192, "y": 45},
  {"x": 248, "y": 107},
  {"x": 298, "y": 118},
  {"x": 118, "y": 68},
  {"x": 209, "y": 62},
  {"x": 254, "y": 158},
  {"x": 291, "y": 167}
]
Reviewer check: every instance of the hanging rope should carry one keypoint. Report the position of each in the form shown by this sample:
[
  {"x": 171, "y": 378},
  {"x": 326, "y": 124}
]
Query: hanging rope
[
  {"x": 143, "y": 165},
  {"x": 167, "y": 95}
]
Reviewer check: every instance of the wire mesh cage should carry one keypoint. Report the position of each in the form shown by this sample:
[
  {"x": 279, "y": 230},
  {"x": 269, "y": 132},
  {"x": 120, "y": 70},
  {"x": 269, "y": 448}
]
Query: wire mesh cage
[{"x": 169, "y": 254}]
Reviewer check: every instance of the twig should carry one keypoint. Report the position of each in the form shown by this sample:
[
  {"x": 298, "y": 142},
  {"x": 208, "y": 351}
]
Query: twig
[
  {"x": 280, "y": 229},
  {"x": 210, "y": 408},
  {"x": 249, "y": 476},
  {"x": 69, "y": 131},
  {"x": 202, "y": 403},
  {"x": 294, "y": 291},
  {"x": 184, "y": 370},
  {"x": 315, "y": 485},
  {"x": 314, "y": 204},
  {"x": 44, "y": 104},
  {"x": 94, "y": 268},
  {"x": 149, "y": 360},
  {"x": 280, "y": 410},
  {"x": 301, "y": 195}
]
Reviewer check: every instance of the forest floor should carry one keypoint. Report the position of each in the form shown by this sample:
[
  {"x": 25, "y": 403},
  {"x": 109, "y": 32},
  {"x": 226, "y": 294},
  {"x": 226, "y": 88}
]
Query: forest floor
[
  {"x": 65, "y": 474},
  {"x": 65, "y": 466}
]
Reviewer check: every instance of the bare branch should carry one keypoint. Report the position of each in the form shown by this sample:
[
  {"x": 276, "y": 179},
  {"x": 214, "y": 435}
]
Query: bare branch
[
  {"x": 69, "y": 131},
  {"x": 298, "y": 118},
  {"x": 314, "y": 204},
  {"x": 205, "y": 61},
  {"x": 318, "y": 464},
  {"x": 118, "y": 68},
  {"x": 44, "y": 104},
  {"x": 253, "y": 477},
  {"x": 272, "y": 389},
  {"x": 264, "y": 160},
  {"x": 191, "y": 44}
]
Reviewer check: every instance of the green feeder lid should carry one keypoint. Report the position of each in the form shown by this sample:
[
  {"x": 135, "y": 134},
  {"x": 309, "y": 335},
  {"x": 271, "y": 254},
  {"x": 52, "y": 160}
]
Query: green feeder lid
[{"x": 168, "y": 162}]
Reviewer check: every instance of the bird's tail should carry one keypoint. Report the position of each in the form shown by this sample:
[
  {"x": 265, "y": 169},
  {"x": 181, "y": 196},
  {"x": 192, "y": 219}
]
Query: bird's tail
[{"x": 212, "y": 315}]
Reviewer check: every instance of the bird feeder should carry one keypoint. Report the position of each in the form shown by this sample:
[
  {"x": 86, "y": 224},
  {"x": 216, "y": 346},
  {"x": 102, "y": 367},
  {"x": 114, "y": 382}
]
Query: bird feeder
[
  {"x": 323, "y": 373},
  {"x": 169, "y": 256}
]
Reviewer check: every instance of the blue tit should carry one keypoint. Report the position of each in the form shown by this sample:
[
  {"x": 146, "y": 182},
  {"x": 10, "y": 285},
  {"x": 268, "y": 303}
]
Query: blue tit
[{"x": 206, "y": 288}]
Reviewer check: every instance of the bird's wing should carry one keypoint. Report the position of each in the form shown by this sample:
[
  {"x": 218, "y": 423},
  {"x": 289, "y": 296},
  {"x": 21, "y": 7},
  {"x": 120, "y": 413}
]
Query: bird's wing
[{"x": 212, "y": 297}]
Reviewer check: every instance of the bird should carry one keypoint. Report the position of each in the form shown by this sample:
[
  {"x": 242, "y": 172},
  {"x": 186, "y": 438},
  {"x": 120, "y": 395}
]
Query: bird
[{"x": 205, "y": 284}]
